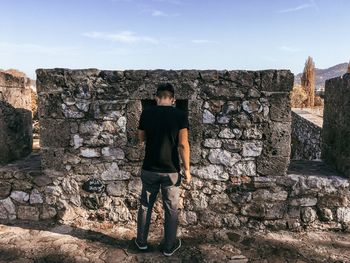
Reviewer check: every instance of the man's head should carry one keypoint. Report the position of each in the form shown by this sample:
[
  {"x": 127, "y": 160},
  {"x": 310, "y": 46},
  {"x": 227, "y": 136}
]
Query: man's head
[{"x": 165, "y": 94}]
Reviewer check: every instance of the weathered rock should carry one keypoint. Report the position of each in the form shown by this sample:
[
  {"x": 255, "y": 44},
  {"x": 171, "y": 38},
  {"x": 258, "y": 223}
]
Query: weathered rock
[
  {"x": 15, "y": 133},
  {"x": 114, "y": 173},
  {"x": 197, "y": 202},
  {"x": 115, "y": 153},
  {"x": 264, "y": 210},
  {"x": 343, "y": 214},
  {"x": 19, "y": 196},
  {"x": 189, "y": 218},
  {"x": 70, "y": 186},
  {"x": 251, "y": 106},
  {"x": 48, "y": 212},
  {"x": 227, "y": 133},
  {"x": 35, "y": 197},
  {"x": 226, "y": 158},
  {"x": 304, "y": 201},
  {"x": 117, "y": 189},
  {"x": 7, "y": 209},
  {"x": 208, "y": 117},
  {"x": 211, "y": 172},
  {"x": 212, "y": 143},
  {"x": 78, "y": 141},
  {"x": 28, "y": 213},
  {"x": 90, "y": 152},
  {"x": 252, "y": 149},
  {"x": 270, "y": 196},
  {"x": 5, "y": 189},
  {"x": 308, "y": 215},
  {"x": 243, "y": 168},
  {"x": 326, "y": 214}
]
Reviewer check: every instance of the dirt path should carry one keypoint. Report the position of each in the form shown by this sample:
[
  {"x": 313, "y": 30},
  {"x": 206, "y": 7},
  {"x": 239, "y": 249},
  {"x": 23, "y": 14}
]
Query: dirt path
[{"x": 50, "y": 242}]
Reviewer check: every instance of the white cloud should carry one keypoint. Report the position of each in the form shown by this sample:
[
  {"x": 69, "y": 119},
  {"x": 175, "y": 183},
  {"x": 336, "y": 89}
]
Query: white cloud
[
  {"x": 289, "y": 49},
  {"x": 204, "y": 41},
  {"x": 162, "y": 14},
  {"x": 126, "y": 37},
  {"x": 310, "y": 4}
]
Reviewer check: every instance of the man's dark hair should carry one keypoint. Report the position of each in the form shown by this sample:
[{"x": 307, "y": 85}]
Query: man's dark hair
[{"x": 165, "y": 90}]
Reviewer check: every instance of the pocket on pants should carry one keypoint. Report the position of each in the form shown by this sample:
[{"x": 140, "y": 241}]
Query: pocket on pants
[{"x": 175, "y": 178}]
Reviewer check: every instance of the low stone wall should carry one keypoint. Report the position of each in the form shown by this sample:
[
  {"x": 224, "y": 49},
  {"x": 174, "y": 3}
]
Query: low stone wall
[
  {"x": 15, "y": 133},
  {"x": 22, "y": 191},
  {"x": 310, "y": 196},
  {"x": 16, "y": 91},
  {"x": 239, "y": 129},
  {"x": 306, "y": 138},
  {"x": 240, "y": 143},
  {"x": 336, "y": 127}
]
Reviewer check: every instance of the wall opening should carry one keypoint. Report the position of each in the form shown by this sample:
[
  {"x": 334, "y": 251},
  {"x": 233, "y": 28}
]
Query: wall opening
[{"x": 180, "y": 104}]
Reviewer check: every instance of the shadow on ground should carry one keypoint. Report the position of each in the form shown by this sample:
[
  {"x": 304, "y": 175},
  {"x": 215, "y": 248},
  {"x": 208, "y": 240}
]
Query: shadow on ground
[{"x": 28, "y": 242}]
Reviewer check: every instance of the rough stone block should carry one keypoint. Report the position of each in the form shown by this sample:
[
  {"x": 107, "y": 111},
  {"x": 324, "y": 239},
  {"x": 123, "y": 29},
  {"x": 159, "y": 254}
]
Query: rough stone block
[
  {"x": 5, "y": 189},
  {"x": 28, "y": 213},
  {"x": 54, "y": 133},
  {"x": 134, "y": 109},
  {"x": 7, "y": 209},
  {"x": 276, "y": 80},
  {"x": 280, "y": 109},
  {"x": 117, "y": 189},
  {"x": 15, "y": 133},
  {"x": 52, "y": 158},
  {"x": 277, "y": 139},
  {"x": 336, "y": 124},
  {"x": 264, "y": 210},
  {"x": 343, "y": 214},
  {"x": 272, "y": 166},
  {"x": 50, "y": 106},
  {"x": 211, "y": 172}
]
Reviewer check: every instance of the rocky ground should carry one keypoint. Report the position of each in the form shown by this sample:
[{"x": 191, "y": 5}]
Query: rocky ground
[{"x": 24, "y": 242}]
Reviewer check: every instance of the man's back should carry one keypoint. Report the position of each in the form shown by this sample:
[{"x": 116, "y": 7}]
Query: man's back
[{"x": 161, "y": 125}]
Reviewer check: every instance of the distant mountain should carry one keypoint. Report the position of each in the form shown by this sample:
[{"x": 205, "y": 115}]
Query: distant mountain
[{"x": 323, "y": 74}]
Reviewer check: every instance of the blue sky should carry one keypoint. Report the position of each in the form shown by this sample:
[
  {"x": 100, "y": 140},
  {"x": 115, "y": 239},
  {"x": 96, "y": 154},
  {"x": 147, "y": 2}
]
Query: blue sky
[{"x": 173, "y": 34}]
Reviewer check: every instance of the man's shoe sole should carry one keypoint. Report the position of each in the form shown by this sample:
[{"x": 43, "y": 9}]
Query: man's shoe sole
[
  {"x": 176, "y": 249},
  {"x": 141, "y": 247}
]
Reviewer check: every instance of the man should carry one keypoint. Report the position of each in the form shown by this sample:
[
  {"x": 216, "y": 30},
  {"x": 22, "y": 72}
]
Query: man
[{"x": 164, "y": 128}]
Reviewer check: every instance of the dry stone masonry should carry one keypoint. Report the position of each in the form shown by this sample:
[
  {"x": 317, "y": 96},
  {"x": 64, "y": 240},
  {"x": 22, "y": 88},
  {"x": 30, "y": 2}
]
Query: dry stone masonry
[
  {"x": 15, "y": 118},
  {"x": 336, "y": 126},
  {"x": 240, "y": 133},
  {"x": 15, "y": 90},
  {"x": 306, "y": 137},
  {"x": 239, "y": 130}
]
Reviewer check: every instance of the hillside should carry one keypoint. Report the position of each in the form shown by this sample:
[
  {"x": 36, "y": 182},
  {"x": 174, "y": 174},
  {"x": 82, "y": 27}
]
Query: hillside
[{"x": 323, "y": 74}]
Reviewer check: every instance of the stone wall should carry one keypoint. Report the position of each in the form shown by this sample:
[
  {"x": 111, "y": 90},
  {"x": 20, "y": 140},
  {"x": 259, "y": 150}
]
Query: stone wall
[
  {"x": 15, "y": 133},
  {"x": 306, "y": 138},
  {"x": 240, "y": 142},
  {"x": 239, "y": 131},
  {"x": 15, "y": 118},
  {"x": 15, "y": 90},
  {"x": 336, "y": 127}
]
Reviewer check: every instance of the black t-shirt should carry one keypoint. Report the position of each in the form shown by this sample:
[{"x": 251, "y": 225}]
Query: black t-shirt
[{"x": 161, "y": 125}]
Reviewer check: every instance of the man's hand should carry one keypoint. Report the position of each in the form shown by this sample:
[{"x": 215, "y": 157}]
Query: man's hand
[{"x": 187, "y": 176}]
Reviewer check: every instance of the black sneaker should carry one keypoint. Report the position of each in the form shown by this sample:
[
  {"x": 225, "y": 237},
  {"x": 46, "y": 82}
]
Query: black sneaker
[
  {"x": 141, "y": 246},
  {"x": 170, "y": 252}
]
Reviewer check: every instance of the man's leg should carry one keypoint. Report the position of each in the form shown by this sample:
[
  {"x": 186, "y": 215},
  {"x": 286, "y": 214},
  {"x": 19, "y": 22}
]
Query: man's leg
[
  {"x": 170, "y": 196},
  {"x": 150, "y": 189}
]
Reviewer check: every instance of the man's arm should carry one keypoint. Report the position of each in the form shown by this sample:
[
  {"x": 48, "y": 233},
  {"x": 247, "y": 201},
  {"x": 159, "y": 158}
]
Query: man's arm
[
  {"x": 142, "y": 137},
  {"x": 184, "y": 150}
]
